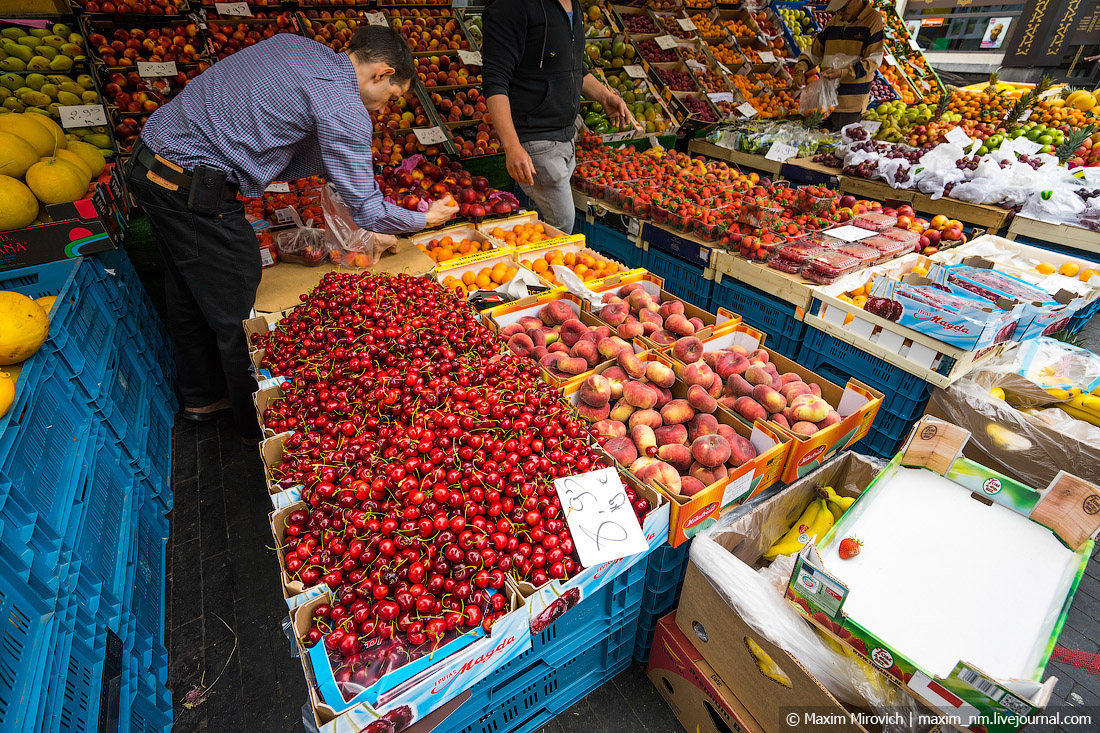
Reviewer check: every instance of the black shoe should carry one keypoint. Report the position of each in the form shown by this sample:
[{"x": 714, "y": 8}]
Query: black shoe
[{"x": 192, "y": 416}]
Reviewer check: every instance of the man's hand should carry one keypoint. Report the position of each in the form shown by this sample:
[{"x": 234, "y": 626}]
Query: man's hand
[
  {"x": 618, "y": 112},
  {"x": 520, "y": 167},
  {"x": 834, "y": 73},
  {"x": 799, "y": 77},
  {"x": 440, "y": 211}
]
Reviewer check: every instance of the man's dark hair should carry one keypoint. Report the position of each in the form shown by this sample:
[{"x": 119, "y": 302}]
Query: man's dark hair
[{"x": 382, "y": 44}]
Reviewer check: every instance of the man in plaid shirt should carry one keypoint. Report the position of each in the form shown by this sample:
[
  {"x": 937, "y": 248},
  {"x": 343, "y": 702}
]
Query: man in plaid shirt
[{"x": 285, "y": 108}]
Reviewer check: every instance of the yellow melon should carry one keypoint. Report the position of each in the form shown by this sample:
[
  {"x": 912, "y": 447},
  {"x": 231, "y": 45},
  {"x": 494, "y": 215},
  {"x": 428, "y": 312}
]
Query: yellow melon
[
  {"x": 18, "y": 206},
  {"x": 90, "y": 155},
  {"x": 53, "y": 128},
  {"x": 56, "y": 181},
  {"x": 7, "y": 393},
  {"x": 23, "y": 327},
  {"x": 46, "y": 301},
  {"x": 70, "y": 157},
  {"x": 16, "y": 155},
  {"x": 35, "y": 134}
]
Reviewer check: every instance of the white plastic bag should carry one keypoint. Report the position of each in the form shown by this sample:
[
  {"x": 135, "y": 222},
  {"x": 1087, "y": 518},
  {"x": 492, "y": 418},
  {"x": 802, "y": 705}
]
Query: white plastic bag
[
  {"x": 897, "y": 172},
  {"x": 978, "y": 191},
  {"x": 934, "y": 182},
  {"x": 1058, "y": 205}
]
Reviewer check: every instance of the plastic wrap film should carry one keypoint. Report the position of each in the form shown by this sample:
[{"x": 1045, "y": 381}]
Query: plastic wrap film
[
  {"x": 756, "y": 601},
  {"x": 343, "y": 235}
]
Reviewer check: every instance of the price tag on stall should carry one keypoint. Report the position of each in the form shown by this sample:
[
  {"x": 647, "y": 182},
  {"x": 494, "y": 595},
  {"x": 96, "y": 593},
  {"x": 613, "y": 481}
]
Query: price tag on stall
[
  {"x": 686, "y": 24},
  {"x": 601, "y": 521},
  {"x": 695, "y": 65},
  {"x": 721, "y": 97},
  {"x": 278, "y": 187},
  {"x": 849, "y": 233},
  {"x": 781, "y": 152},
  {"x": 155, "y": 69},
  {"x": 666, "y": 43},
  {"x": 1025, "y": 115},
  {"x": 470, "y": 58},
  {"x": 746, "y": 109},
  {"x": 430, "y": 135},
  {"x": 913, "y": 44},
  {"x": 240, "y": 10},
  {"x": 634, "y": 71},
  {"x": 767, "y": 57},
  {"x": 890, "y": 59},
  {"x": 82, "y": 115},
  {"x": 870, "y": 126},
  {"x": 285, "y": 216},
  {"x": 745, "y": 69},
  {"x": 1026, "y": 147},
  {"x": 377, "y": 18}
]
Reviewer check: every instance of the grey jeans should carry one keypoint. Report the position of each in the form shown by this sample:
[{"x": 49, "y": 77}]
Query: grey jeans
[{"x": 554, "y": 163}]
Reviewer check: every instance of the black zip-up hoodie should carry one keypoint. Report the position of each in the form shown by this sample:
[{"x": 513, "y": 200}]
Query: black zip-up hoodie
[{"x": 532, "y": 55}]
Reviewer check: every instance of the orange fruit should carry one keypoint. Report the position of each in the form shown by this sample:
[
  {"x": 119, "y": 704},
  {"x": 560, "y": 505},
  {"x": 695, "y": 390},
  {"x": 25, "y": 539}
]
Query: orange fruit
[
  {"x": 1044, "y": 268},
  {"x": 1087, "y": 275},
  {"x": 1069, "y": 269}
]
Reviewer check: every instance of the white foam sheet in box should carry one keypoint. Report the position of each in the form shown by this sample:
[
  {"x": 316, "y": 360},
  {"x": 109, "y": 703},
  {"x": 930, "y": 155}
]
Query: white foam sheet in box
[{"x": 945, "y": 578}]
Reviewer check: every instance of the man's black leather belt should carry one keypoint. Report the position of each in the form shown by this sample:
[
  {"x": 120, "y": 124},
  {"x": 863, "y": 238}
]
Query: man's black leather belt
[{"x": 148, "y": 158}]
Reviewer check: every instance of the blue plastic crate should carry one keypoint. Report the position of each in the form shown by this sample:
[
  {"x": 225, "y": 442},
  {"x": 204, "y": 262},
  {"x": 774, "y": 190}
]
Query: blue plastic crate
[
  {"x": 88, "y": 333},
  {"x": 682, "y": 279},
  {"x": 889, "y": 431},
  {"x": 126, "y": 407},
  {"x": 570, "y": 658},
  {"x": 27, "y": 610},
  {"x": 615, "y": 245},
  {"x": 159, "y": 452},
  {"x": 104, "y": 536},
  {"x": 904, "y": 394},
  {"x": 777, "y": 318},
  {"x": 1083, "y": 316},
  {"x": 43, "y": 451},
  {"x": 145, "y": 705},
  {"x": 36, "y": 547},
  {"x": 78, "y": 711},
  {"x": 144, "y": 598},
  {"x": 664, "y": 580}
]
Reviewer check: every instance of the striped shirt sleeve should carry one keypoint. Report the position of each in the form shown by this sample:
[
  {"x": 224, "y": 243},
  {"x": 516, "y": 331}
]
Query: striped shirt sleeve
[{"x": 345, "y": 138}]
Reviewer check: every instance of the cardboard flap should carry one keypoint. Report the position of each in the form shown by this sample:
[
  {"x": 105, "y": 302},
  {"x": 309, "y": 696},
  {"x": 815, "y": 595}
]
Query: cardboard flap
[
  {"x": 1070, "y": 509},
  {"x": 934, "y": 444}
]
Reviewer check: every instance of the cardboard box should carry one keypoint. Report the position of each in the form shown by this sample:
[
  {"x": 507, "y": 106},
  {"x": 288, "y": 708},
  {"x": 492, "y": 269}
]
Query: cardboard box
[
  {"x": 95, "y": 223},
  {"x": 697, "y": 695},
  {"x": 1014, "y": 644},
  {"x": 722, "y": 637},
  {"x": 690, "y": 515}
]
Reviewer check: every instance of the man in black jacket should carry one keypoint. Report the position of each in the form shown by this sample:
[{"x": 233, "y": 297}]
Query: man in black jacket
[{"x": 533, "y": 76}]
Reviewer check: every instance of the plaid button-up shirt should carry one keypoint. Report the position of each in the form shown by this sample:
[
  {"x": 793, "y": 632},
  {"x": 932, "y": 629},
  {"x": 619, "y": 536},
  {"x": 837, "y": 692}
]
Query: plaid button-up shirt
[{"x": 285, "y": 108}]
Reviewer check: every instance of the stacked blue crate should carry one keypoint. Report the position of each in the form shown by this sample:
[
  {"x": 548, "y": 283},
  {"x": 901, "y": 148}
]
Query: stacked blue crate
[
  {"x": 590, "y": 644},
  {"x": 615, "y": 244},
  {"x": 905, "y": 395},
  {"x": 683, "y": 279},
  {"x": 777, "y": 318},
  {"x": 664, "y": 579},
  {"x": 85, "y": 458}
]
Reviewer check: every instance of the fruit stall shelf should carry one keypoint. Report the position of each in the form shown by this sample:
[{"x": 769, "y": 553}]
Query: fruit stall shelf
[
  {"x": 101, "y": 615},
  {"x": 761, "y": 310},
  {"x": 791, "y": 289},
  {"x": 905, "y": 395},
  {"x": 683, "y": 279},
  {"x": 589, "y": 645},
  {"x": 992, "y": 218},
  {"x": 1065, "y": 238},
  {"x": 744, "y": 160}
]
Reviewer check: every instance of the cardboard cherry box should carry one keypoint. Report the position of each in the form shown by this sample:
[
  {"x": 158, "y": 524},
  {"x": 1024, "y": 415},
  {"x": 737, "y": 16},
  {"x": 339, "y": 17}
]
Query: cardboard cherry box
[
  {"x": 766, "y": 679},
  {"x": 936, "y": 520},
  {"x": 699, "y": 698},
  {"x": 690, "y": 515},
  {"x": 856, "y": 403},
  {"x": 95, "y": 223}
]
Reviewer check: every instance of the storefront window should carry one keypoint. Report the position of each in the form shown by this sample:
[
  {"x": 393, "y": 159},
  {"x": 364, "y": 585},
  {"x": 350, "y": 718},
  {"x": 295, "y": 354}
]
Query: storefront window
[{"x": 974, "y": 26}]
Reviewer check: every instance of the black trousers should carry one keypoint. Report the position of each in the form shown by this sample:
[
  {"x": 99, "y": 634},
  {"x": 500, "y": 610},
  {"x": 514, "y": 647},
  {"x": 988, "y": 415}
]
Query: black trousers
[
  {"x": 212, "y": 270},
  {"x": 839, "y": 120}
]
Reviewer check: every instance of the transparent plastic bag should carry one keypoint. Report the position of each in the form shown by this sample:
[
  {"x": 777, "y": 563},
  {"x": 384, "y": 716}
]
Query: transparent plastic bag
[
  {"x": 978, "y": 191},
  {"x": 1058, "y": 205},
  {"x": 348, "y": 243},
  {"x": 302, "y": 245},
  {"x": 819, "y": 95}
]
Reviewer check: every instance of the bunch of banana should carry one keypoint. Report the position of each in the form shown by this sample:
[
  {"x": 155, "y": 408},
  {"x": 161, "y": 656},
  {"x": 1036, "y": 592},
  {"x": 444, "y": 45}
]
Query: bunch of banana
[
  {"x": 1081, "y": 405},
  {"x": 837, "y": 504},
  {"x": 814, "y": 522},
  {"x": 766, "y": 664}
]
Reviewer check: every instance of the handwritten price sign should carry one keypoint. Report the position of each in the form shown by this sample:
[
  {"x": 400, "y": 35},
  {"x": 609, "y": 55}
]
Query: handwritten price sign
[
  {"x": 377, "y": 18},
  {"x": 155, "y": 69},
  {"x": 666, "y": 43},
  {"x": 634, "y": 71},
  {"x": 600, "y": 518},
  {"x": 747, "y": 109},
  {"x": 767, "y": 57},
  {"x": 241, "y": 10},
  {"x": 430, "y": 135},
  {"x": 686, "y": 24},
  {"x": 278, "y": 187},
  {"x": 83, "y": 115},
  {"x": 470, "y": 58}
]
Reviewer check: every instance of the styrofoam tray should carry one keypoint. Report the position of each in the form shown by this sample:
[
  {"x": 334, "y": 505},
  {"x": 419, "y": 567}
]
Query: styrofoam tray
[{"x": 943, "y": 577}]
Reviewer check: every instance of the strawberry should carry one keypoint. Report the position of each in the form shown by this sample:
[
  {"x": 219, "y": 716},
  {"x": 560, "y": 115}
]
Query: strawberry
[
  {"x": 857, "y": 644},
  {"x": 849, "y": 547}
]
